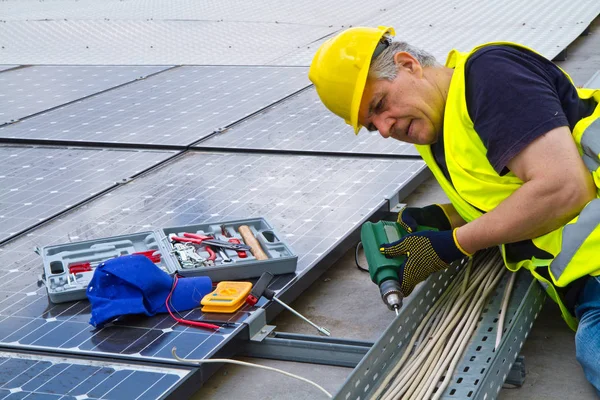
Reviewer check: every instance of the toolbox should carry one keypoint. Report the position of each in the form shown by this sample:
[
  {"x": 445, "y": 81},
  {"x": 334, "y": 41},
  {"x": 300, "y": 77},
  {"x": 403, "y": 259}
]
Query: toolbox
[{"x": 252, "y": 247}]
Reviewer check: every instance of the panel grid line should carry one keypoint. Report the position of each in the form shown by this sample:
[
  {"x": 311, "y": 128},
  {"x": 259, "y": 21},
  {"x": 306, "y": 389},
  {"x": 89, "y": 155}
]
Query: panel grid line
[{"x": 115, "y": 386}]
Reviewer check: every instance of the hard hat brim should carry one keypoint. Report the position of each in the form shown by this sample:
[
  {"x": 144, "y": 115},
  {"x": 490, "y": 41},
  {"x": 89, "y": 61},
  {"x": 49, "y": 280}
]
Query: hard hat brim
[{"x": 361, "y": 81}]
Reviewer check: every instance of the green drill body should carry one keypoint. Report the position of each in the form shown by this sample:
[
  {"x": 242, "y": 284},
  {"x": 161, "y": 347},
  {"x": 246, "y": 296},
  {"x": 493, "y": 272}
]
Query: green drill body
[{"x": 385, "y": 272}]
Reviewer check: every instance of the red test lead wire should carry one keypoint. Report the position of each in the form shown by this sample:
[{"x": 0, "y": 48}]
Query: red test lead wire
[{"x": 197, "y": 324}]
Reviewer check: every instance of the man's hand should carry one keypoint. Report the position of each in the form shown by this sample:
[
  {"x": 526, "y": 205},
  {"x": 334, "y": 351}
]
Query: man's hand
[
  {"x": 426, "y": 252},
  {"x": 433, "y": 216}
]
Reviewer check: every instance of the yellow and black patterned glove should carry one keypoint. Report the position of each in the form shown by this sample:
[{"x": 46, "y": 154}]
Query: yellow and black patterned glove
[
  {"x": 426, "y": 252},
  {"x": 432, "y": 216}
]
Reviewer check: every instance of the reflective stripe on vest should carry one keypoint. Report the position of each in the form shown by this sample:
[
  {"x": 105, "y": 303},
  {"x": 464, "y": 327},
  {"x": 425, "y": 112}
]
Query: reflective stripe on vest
[
  {"x": 590, "y": 147},
  {"x": 583, "y": 229},
  {"x": 573, "y": 237}
]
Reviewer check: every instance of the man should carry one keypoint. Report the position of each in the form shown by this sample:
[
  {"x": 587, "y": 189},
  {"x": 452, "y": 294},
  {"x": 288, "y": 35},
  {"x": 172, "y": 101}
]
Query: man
[{"x": 513, "y": 143}]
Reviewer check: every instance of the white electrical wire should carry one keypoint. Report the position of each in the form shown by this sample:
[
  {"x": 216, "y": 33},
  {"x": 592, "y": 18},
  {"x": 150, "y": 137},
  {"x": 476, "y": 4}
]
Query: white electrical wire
[
  {"x": 440, "y": 339},
  {"x": 457, "y": 310},
  {"x": 458, "y": 348},
  {"x": 432, "y": 313},
  {"x": 461, "y": 331},
  {"x": 506, "y": 296},
  {"x": 463, "y": 288},
  {"x": 247, "y": 364}
]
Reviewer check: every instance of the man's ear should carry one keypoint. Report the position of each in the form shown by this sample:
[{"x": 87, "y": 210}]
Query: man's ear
[{"x": 406, "y": 62}]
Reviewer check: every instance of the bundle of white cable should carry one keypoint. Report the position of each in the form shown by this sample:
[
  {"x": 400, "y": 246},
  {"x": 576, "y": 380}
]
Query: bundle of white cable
[{"x": 439, "y": 341}]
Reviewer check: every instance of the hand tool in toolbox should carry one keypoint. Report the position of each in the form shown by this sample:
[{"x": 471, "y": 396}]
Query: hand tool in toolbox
[
  {"x": 197, "y": 240},
  {"x": 227, "y": 297},
  {"x": 85, "y": 266},
  {"x": 208, "y": 241},
  {"x": 385, "y": 272},
  {"x": 250, "y": 240},
  {"x": 225, "y": 232},
  {"x": 224, "y": 257},
  {"x": 188, "y": 257},
  {"x": 261, "y": 289}
]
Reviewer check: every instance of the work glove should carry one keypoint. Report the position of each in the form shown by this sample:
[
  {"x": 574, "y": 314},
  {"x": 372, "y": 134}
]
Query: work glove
[
  {"x": 432, "y": 216},
  {"x": 426, "y": 252}
]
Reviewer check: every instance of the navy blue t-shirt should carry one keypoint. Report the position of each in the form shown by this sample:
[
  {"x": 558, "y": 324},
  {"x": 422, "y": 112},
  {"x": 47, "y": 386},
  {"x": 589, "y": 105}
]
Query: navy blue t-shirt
[{"x": 513, "y": 97}]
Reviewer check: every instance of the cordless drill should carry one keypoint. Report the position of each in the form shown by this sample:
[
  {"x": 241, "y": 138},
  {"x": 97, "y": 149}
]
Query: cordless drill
[{"x": 385, "y": 272}]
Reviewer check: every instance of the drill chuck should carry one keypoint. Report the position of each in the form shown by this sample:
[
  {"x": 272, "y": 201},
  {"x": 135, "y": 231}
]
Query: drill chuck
[{"x": 391, "y": 294}]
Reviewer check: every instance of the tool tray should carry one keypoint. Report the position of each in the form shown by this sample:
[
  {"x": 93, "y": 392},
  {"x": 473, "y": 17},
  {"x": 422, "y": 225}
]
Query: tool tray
[{"x": 83, "y": 257}]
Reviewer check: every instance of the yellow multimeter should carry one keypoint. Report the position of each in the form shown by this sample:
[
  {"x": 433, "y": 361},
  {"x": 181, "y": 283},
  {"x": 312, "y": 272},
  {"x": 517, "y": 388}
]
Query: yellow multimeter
[{"x": 227, "y": 297}]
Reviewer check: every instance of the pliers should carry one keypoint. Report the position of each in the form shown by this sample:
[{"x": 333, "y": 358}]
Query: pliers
[{"x": 196, "y": 239}]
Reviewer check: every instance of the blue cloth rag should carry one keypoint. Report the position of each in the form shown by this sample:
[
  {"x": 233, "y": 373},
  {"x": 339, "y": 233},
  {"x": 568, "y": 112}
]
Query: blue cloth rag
[{"x": 135, "y": 285}]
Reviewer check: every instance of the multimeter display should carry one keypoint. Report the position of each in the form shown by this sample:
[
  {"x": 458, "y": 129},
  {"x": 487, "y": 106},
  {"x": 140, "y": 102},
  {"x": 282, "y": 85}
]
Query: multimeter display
[{"x": 227, "y": 297}]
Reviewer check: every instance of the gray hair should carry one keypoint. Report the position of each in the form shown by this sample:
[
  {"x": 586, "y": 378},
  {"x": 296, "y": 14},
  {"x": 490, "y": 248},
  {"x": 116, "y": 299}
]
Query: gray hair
[{"x": 384, "y": 67}]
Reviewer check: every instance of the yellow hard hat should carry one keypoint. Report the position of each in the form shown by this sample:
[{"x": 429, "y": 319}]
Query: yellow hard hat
[{"x": 340, "y": 67}]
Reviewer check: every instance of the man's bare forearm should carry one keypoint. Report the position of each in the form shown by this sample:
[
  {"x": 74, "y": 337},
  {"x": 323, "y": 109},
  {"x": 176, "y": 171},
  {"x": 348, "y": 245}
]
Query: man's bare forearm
[
  {"x": 533, "y": 210},
  {"x": 556, "y": 186}
]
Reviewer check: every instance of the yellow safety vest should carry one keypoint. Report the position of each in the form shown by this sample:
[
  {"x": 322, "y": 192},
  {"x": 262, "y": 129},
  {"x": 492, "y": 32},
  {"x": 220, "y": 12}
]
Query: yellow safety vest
[{"x": 476, "y": 187}]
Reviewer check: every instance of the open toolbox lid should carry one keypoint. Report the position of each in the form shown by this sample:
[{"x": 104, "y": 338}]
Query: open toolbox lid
[{"x": 69, "y": 267}]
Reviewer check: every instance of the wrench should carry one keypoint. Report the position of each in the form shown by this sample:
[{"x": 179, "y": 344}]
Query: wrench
[{"x": 225, "y": 259}]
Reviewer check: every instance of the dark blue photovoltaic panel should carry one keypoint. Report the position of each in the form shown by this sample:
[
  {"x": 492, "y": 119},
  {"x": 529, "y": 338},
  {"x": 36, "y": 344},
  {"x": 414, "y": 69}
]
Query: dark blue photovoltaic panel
[
  {"x": 39, "y": 182},
  {"x": 313, "y": 202},
  {"x": 48, "y": 377},
  {"x": 29, "y": 90},
  {"x": 176, "y": 107},
  {"x": 302, "y": 123}
]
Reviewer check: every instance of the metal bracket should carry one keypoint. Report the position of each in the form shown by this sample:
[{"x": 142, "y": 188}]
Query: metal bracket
[
  {"x": 263, "y": 333},
  {"x": 516, "y": 376},
  {"x": 257, "y": 325},
  {"x": 397, "y": 207},
  {"x": 562, "y": 56},
  {"x": 394, "y": 202}
]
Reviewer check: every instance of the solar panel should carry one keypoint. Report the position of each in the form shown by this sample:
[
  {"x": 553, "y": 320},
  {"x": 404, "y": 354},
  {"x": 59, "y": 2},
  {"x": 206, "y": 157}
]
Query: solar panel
[
  {"x": 313, "y": 202},
  {"x": 29, "y": 90},
  {"x": 302, "y": 123},
  {"x": 39, "y": 182},
  {"x": 176, "y": 107},
  {"x": 49, "y": 377}
]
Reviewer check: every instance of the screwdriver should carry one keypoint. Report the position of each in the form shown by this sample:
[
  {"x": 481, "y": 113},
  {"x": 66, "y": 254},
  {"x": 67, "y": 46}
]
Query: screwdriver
[{"x": 261, "y": 289}]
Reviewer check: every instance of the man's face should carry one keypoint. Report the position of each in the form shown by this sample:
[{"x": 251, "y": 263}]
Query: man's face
[{"x": 409, "y": 108}]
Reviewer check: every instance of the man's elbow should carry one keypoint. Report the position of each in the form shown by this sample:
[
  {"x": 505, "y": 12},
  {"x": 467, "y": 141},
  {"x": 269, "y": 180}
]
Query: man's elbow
[{"x": 577, "y": 194}]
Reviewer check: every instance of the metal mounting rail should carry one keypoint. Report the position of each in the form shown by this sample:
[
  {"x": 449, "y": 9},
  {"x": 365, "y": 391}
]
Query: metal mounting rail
[{"x": 308, "y": 348}]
